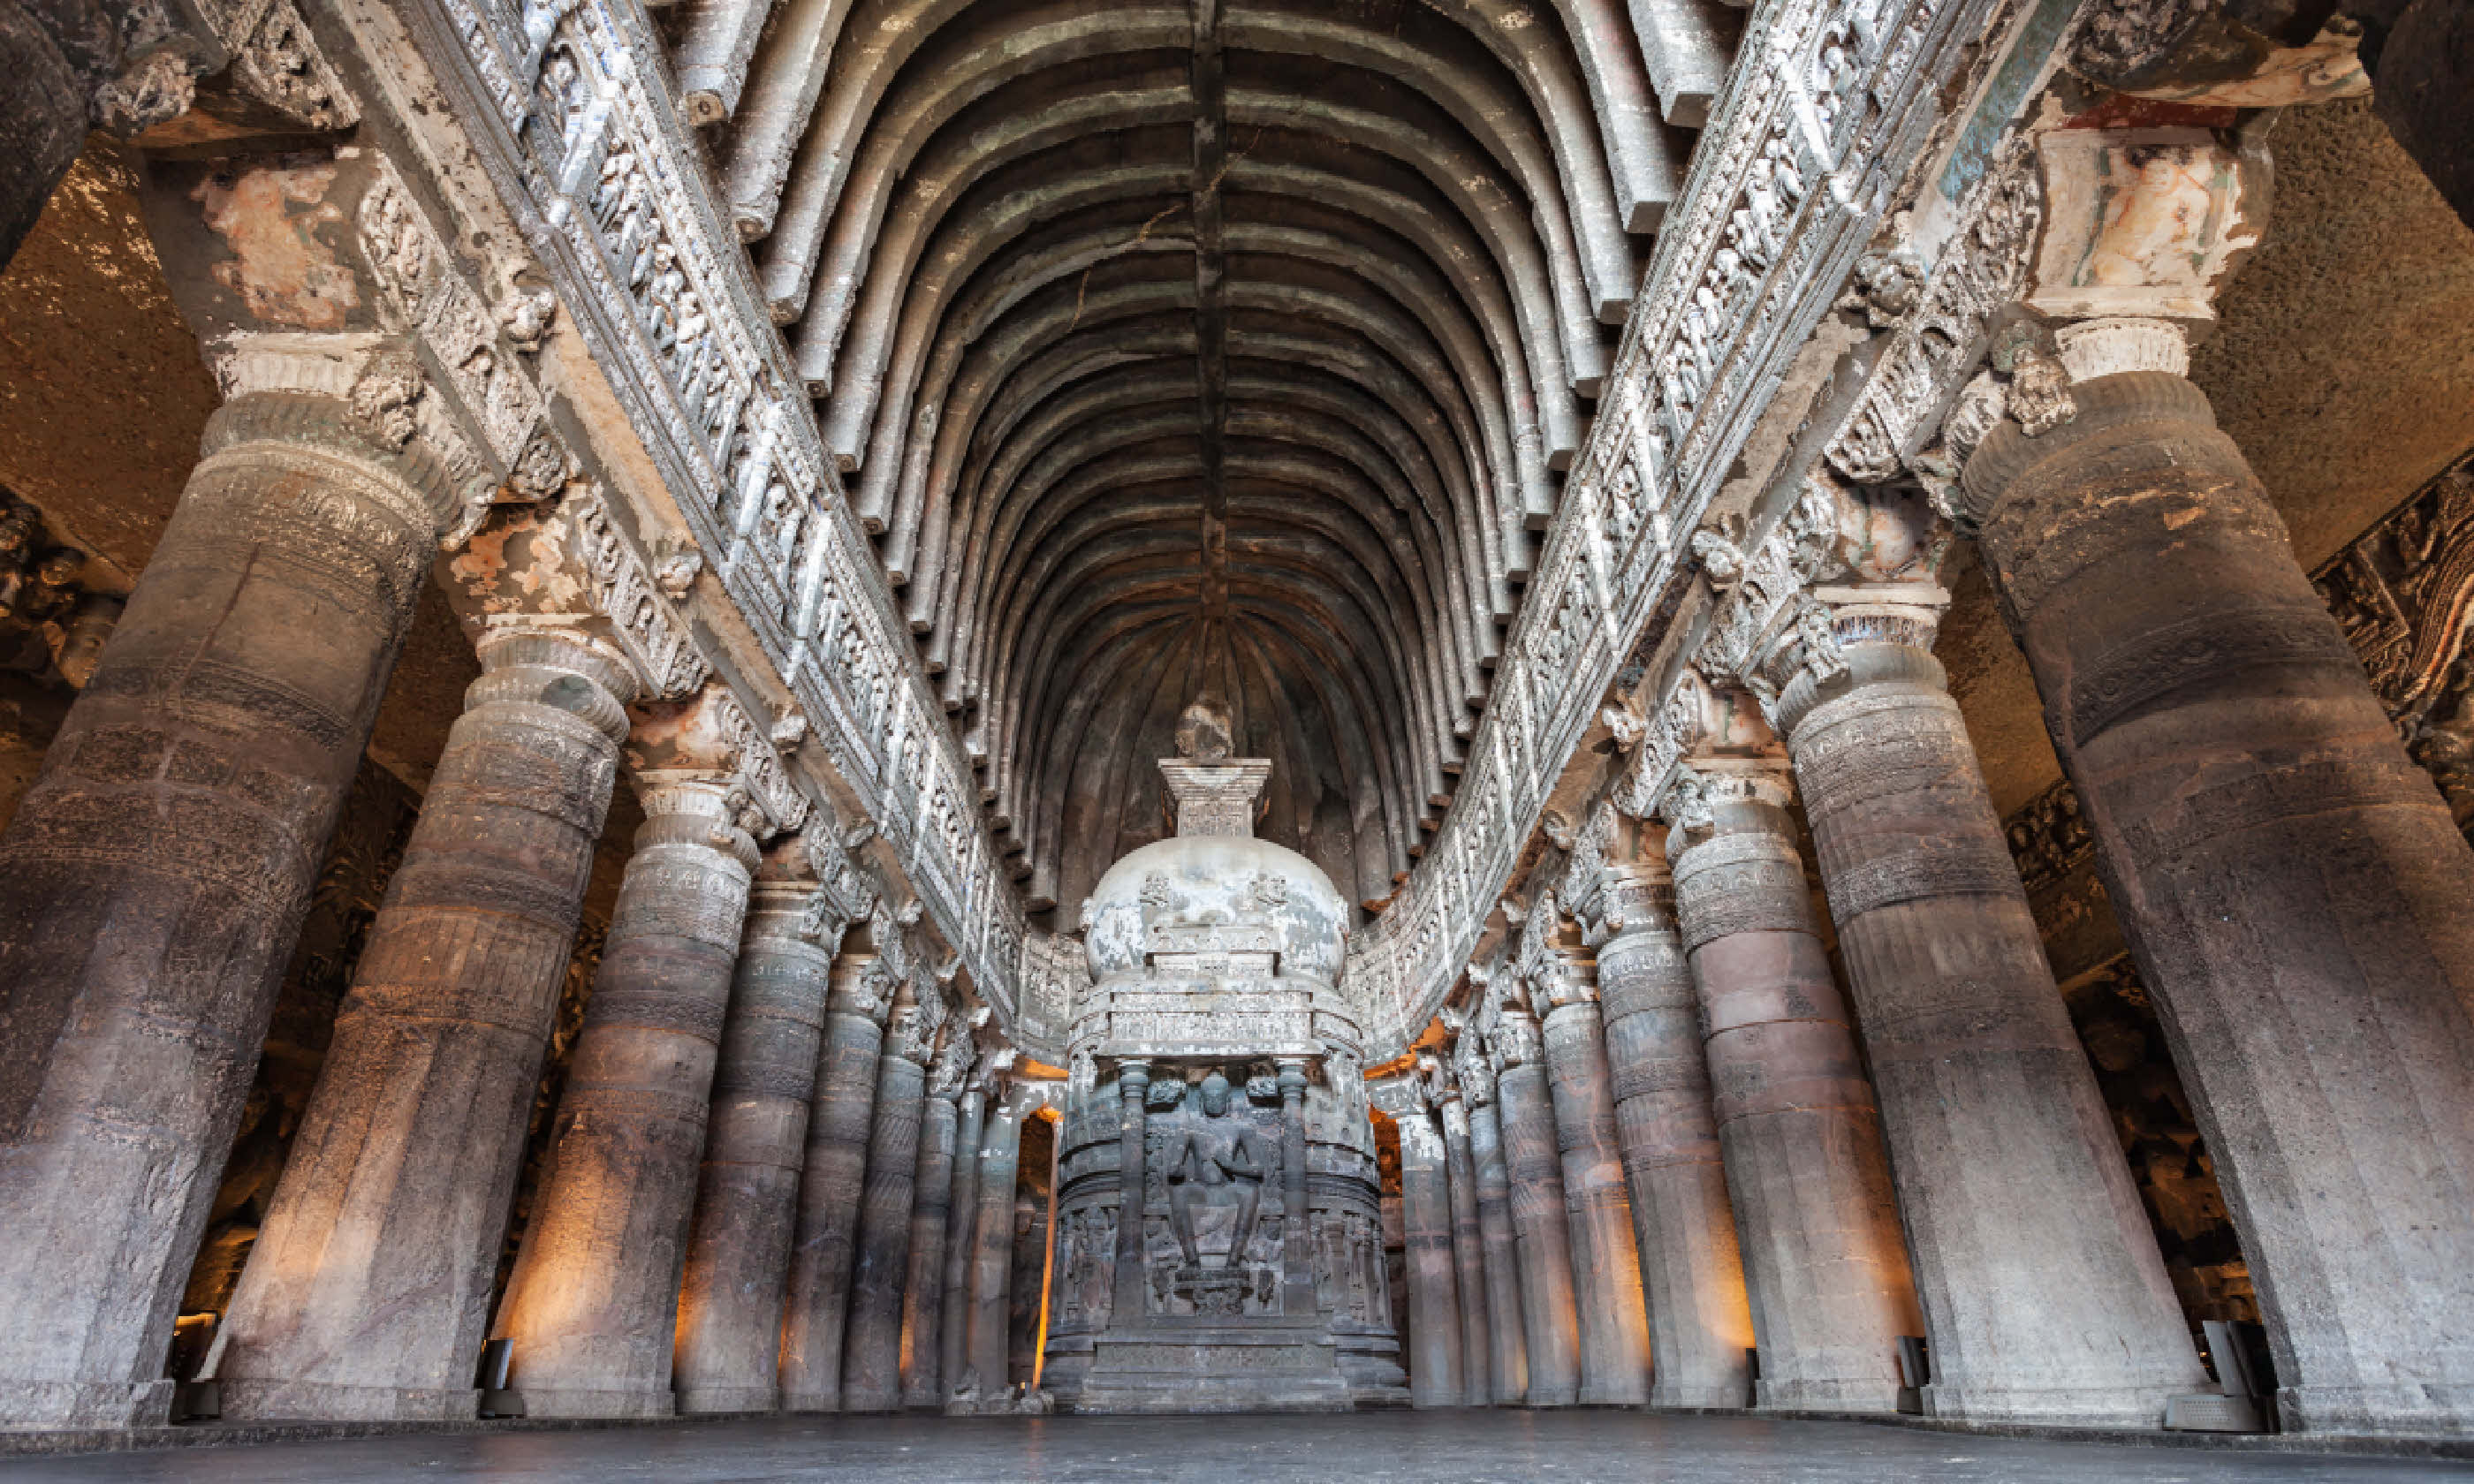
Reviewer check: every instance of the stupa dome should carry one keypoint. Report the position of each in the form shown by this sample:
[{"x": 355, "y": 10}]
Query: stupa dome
[{"x": 1209, "y": 879}]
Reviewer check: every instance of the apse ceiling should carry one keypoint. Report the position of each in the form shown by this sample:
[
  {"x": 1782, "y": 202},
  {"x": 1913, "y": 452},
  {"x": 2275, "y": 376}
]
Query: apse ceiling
[{"x": 1224, "y": 347}]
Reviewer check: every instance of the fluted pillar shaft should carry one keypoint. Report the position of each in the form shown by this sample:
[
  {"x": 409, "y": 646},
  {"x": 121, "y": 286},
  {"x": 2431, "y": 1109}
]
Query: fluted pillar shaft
[
  {"x": 923, "y": 1288},
  {"x": 1693, "y": 1271},
  {"x": 738, "y": 1253},
  {"x": 2044, "y": 1294},
  {"x": 1434, "y": 1296},
  {"x": 990, "y": 1334},
  {"x": 817, "y": 1304},
  {"x": 2290, "y": 882},
  {"x": 1539, "y": 1215},
  {"x": 872, "y": 1349},
  {"x": 592, "y": 1305},
  {"x": 1507, "y": 1337},
  {"x": 367, "y": 1293},
  {"x": 962, "y": 1220},
  {"x": 1469, "y": 1253},
  {"x": 154, "y": 875},
  {"x": 1606, "y": 1271},
  {"x": 1824, "y": 1262}
]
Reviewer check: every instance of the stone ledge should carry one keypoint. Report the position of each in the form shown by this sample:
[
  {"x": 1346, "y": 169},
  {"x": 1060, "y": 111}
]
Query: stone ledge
[
  {"x": 2331, "y": 1444},
  {"x": 35, "y": 1442},
  {"x": 40, "y": 1442}
]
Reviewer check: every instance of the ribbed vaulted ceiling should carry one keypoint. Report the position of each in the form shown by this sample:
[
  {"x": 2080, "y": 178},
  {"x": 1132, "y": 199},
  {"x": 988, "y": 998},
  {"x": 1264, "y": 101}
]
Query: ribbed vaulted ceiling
[{"x": 1210, "y": 345}]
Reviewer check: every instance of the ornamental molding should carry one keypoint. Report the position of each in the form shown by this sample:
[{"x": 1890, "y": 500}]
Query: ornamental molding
[{"x": 607, "y": 186}]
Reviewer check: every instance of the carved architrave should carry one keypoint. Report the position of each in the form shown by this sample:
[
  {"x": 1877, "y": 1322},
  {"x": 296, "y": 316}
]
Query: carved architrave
[{"x": 1982, "y": 268}]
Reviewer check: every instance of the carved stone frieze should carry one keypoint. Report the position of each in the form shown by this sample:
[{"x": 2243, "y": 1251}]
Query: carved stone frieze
[{"x": 1937, "y": 345}]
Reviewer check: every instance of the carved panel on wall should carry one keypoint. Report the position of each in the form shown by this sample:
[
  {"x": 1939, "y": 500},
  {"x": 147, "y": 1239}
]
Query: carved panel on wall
[
  {"x": 2402, "y": 591},
  {"x": 2169, "y": 1163}
]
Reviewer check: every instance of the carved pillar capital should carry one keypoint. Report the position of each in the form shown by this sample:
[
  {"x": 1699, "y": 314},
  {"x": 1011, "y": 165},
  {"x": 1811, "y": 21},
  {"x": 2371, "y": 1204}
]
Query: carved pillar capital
[
  {"x": 861, "y": 986},
  {"x": 1513, "y": 1039},
  {"x": 557, "y": 663},
  {"x": 683, "y": 806},
  {"x": 1857, "y": 636},
  {"x": 1640, "y": 894},
  {"x": 709, "y": 734},
  {"x": 951, "y": 1072}
]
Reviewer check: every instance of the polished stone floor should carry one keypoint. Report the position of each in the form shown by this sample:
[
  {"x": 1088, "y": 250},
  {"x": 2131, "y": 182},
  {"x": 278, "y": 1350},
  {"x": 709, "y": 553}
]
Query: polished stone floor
[{"x": 1378, "y": 1448}]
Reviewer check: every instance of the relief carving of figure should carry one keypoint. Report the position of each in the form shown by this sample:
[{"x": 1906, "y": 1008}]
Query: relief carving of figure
[{"x": 1219, "y": 1149}]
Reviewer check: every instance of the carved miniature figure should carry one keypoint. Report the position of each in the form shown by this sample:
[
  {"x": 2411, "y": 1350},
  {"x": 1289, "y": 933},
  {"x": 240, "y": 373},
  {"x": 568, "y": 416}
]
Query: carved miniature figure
[{"x": 1207, "y": 1154}]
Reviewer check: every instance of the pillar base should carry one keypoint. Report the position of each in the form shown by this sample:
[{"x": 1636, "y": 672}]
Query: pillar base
[
  {"x": 700, "y": 1400},
  {"x": 257, "y": 1398},
  {"x": 86, "y": 1404},
  {"x": 796, "y": 1402},
  {"x": 549, "y": 1401},
  {"x": 2094, "y": 1406},
  {"x": 2406, "y": 1411},
  {"x": 1864, "y": 1395}
]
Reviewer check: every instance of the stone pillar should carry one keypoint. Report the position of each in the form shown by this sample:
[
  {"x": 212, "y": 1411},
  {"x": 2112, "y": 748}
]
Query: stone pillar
[
  {"x": 1538, "y": 1216},
  {"x": 1294, "y": 1237},
  {"x": 2290, "y": 882},
  {"x": 1824, "y": 1263},
  {"x": 1434, "y": 1297},
  {"x": 818, "y": 1298},
  {"x": 1507, "y": 1342},
  {"x": 991, "y": 1321},
  {"x": 738, "y": 1254},
  {"x": 1133, "y": 1085},
  {"x": 872, "y": 1347},
  {"x": 1693, "y": 1272},
  {"x": 932, "y": 1208},
  {"x": 2045, "y": 1297},
  {"x": 1606, "y": 1271},
  {"x": 158, "y": 868},
  {"x": 1469, "y": 1250},
  {"x": 961, "y": 1219},
  {"x": 367, "y": 1294},
  {"x": 592, "y": 1303}
]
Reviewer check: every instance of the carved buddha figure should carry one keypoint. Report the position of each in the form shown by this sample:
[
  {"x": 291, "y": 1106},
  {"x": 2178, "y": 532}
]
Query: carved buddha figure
[{"x": 1220, "y": 1148}]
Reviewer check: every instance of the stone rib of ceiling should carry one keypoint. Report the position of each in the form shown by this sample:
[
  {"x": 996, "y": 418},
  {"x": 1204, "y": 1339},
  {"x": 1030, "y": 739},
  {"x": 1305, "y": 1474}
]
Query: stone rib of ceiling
[{"x": 1199, "y": 345}]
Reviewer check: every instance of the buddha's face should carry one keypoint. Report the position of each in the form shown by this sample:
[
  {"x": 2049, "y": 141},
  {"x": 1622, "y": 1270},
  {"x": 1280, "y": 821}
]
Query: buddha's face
[{"x": 1215, "y": 1095}]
